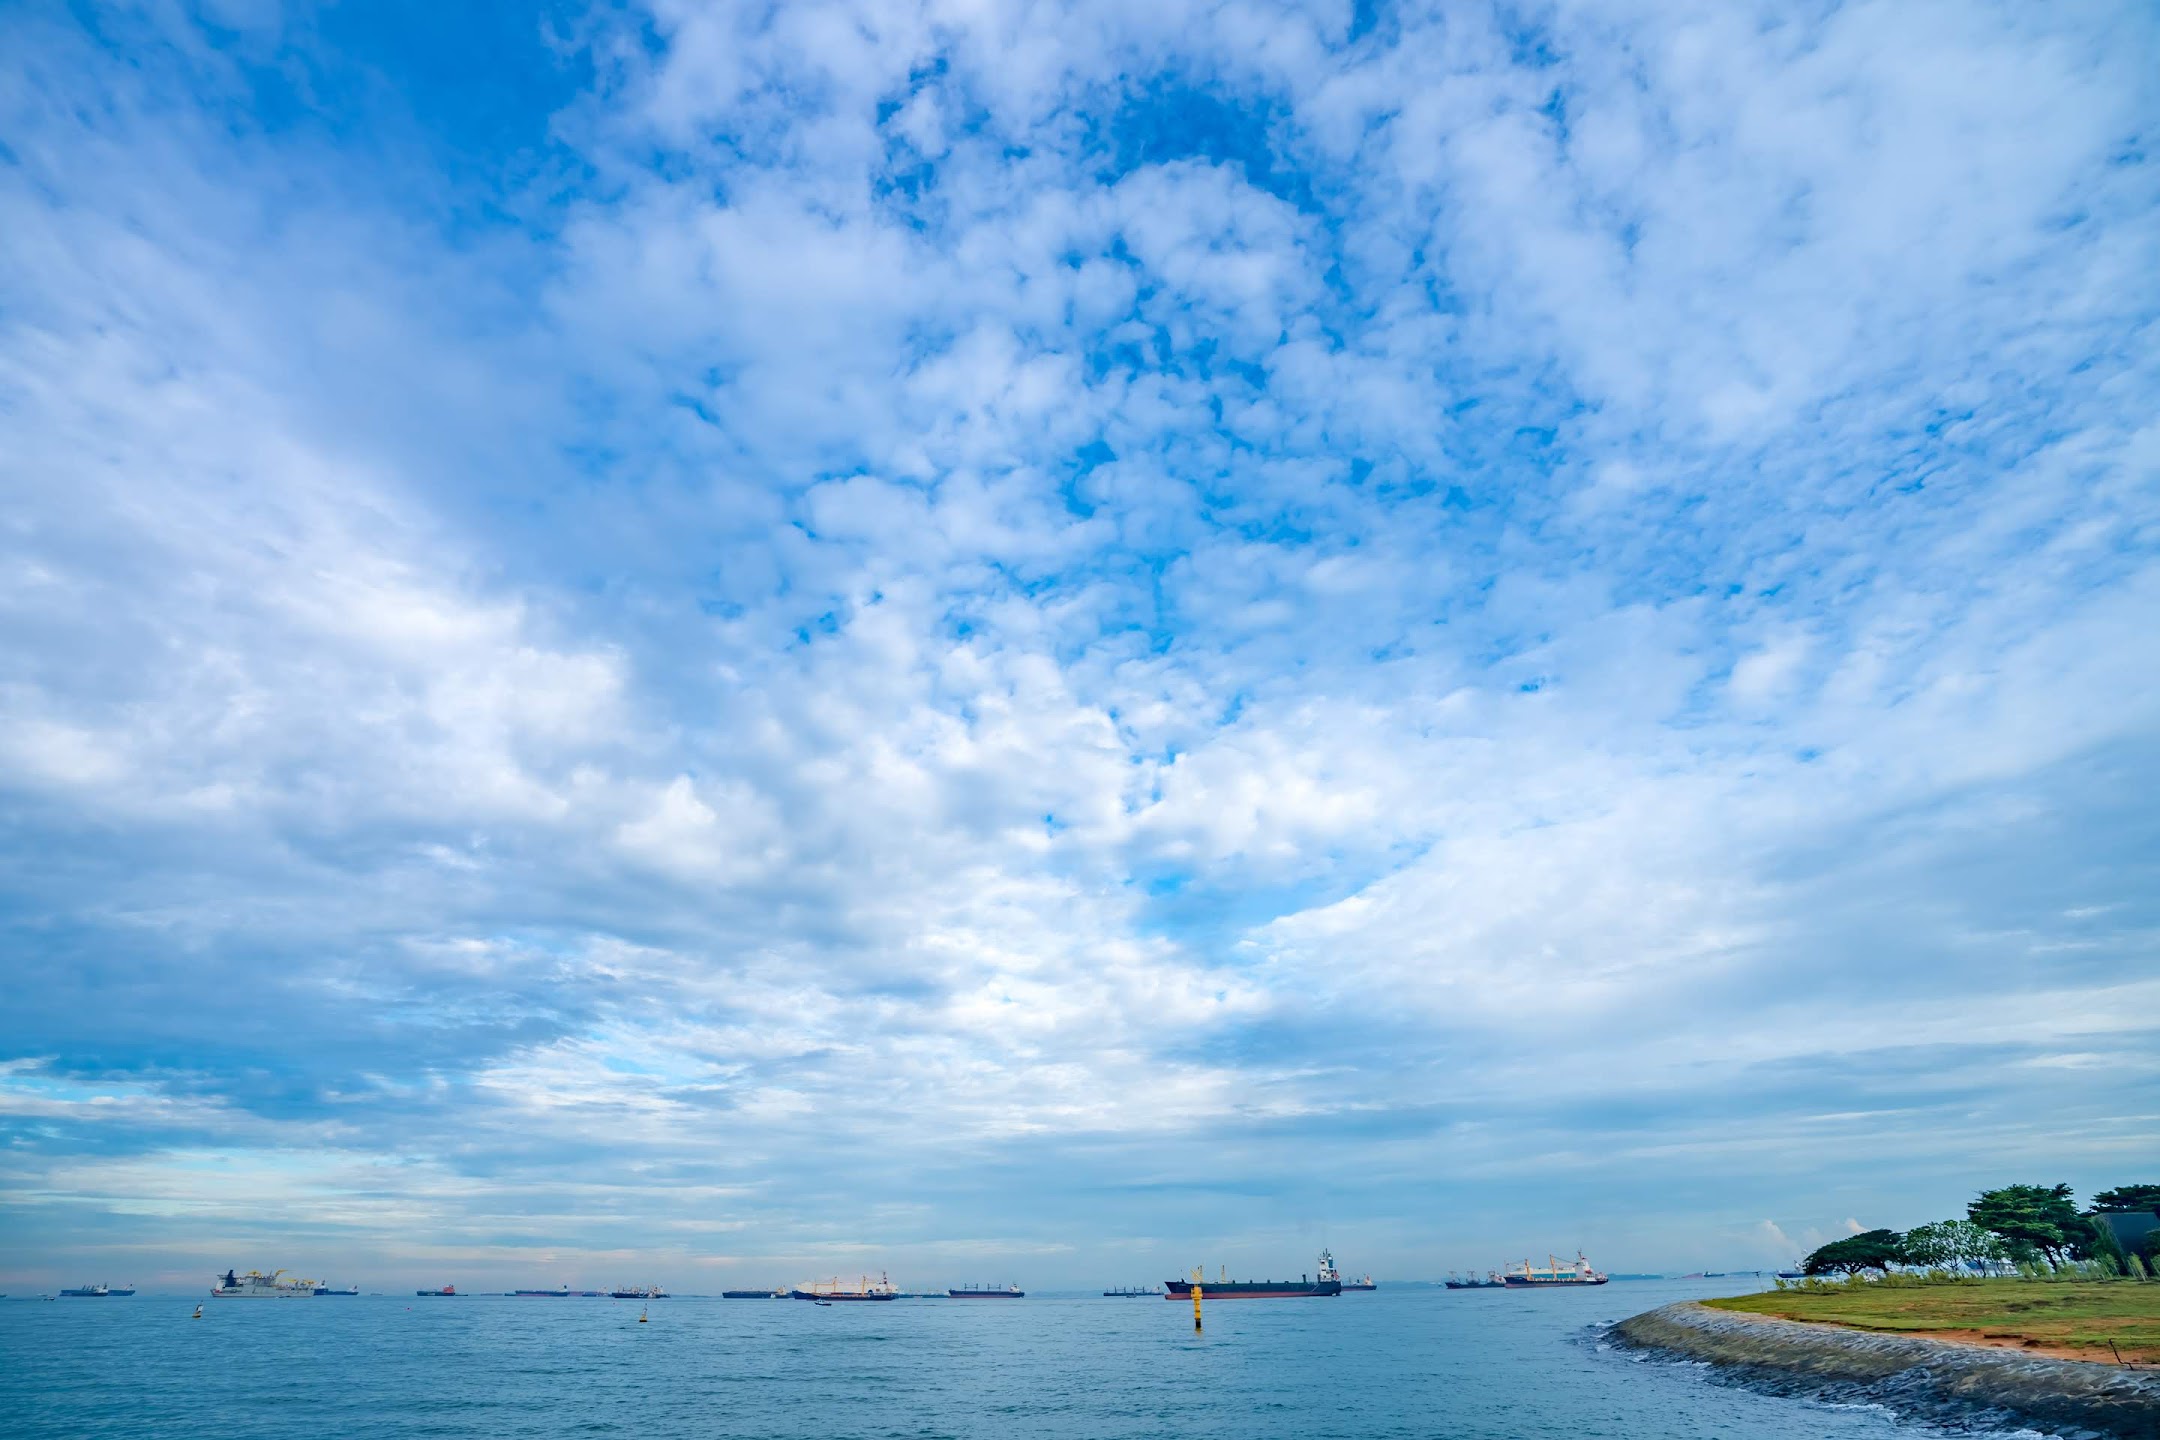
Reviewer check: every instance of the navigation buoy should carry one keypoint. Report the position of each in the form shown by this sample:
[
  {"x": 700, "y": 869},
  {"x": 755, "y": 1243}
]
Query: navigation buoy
[
  {"x": 1196, "y": 1309},
  {"x": 198, "y": 1312},
  {"x": 641, "y": 1315}
]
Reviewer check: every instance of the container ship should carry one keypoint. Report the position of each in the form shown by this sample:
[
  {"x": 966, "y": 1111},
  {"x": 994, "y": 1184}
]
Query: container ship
[
  {"x": 1327, "y": 1282},
  {"x": 1526, "y": 1275},
  {"x": 988, "y": 1292},
  {"x": 638, "y": 1292},
  {"x": 257, "y": 1286},
  {"x": 827, "y": 1291}
]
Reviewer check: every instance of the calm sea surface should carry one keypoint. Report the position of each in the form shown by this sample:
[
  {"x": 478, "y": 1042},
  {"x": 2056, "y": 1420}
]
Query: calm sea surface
[{"x": 1398, "y": 1362}]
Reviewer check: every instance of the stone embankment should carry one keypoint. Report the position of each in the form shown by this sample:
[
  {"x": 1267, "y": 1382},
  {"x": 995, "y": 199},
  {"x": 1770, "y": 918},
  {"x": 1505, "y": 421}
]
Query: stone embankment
[{"x": 1929, "y": 1380}]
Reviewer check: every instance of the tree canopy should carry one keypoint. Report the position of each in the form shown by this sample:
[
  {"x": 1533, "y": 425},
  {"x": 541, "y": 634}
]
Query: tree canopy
[
  {"x": 1951, "y": 1243},
  {"x": 1869, "y": 1250},
  {"x": 2033, "y": 1218},
  {"x": 2127, "y": 1200}
]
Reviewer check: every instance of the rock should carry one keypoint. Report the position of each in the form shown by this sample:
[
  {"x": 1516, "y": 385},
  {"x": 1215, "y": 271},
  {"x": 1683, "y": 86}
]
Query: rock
[{"x": 1918, "y": 1378}]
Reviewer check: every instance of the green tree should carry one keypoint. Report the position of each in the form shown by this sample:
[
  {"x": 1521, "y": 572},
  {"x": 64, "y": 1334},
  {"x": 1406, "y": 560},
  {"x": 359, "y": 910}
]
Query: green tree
[
  {"x": 2039, "y": 1218},
  {"x": 1869, "y": 1250},
  {"x": 1950, "y": 1244},
  {"x": 2127, "y": 1200}
]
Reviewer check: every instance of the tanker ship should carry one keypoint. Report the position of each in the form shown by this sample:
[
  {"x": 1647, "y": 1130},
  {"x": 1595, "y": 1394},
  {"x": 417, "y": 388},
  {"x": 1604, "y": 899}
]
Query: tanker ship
[{"x": 1327, "y": 1282}]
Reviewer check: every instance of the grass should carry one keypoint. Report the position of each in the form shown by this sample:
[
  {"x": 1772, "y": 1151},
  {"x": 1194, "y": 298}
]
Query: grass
[{"x": 2074, "y": 1318}]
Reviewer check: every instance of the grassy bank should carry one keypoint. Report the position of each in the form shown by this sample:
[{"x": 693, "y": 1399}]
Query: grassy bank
[{"x": 2076, "y": 1319}]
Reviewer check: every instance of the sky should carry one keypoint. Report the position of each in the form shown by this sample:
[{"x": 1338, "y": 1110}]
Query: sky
[{"x": 1007, "y": 641}]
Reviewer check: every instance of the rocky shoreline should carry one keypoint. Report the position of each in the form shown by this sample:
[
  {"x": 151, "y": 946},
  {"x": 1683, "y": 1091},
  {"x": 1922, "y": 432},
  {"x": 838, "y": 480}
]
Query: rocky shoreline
[{"x": 1928, "y": 1380}]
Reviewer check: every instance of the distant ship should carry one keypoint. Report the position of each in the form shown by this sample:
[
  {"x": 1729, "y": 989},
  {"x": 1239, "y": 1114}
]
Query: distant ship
[
  {"x": 827, "y": 1291},
  {"x": 257, "y": 1286},
  {"x": 1135, "y": 1292},
  {"x": 89, "y": 1292},
  {"x": 638, "y": 1292},
  {"x": 446, "y": 1290},
  {"x": 1362, "y": 1282},
  {"x": 988, "y": 1292},
  {"x": 1327, "y": 1282},
  {"x": 753, "y": 1294},
  {"x": 1492, "y": 1281},
  {"x": 559, "y": 1293},
  {"x": 1554, "y": 1273},
  {"x": 334, "y": 1290}
]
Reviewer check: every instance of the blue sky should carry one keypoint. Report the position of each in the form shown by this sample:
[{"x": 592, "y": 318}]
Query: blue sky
[{"x": 725, "y": 643}]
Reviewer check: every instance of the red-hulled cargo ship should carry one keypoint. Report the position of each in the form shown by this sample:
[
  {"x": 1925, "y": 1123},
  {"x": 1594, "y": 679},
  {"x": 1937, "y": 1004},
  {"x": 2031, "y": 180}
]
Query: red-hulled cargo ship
[{"x": 1327, "y": 1282}]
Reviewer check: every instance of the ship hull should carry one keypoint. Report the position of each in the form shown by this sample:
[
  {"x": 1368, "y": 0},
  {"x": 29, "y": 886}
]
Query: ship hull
[{"x": 1255, "y": 1290}]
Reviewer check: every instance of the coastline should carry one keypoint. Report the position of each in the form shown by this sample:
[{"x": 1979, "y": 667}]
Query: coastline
[{"x": 1923, "y": 1379}]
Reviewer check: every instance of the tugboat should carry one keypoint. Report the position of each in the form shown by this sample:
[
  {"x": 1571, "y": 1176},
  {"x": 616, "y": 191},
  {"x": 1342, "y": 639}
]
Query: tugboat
[
  {"x": 988, "y": 1292},
  {"x": 1328, "y": 1282},
  {"x": 1553, "y": 1273},
  {"x": 257, "y": 1286},
  {"x": 825, "y": 1292}
]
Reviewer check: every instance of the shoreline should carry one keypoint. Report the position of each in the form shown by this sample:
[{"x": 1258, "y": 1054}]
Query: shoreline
[{"x": 1915, "y": 1377}]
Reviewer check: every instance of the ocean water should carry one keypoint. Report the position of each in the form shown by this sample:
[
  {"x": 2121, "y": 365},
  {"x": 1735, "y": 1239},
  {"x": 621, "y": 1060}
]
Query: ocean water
[{"x": 1397, "y": 1362}]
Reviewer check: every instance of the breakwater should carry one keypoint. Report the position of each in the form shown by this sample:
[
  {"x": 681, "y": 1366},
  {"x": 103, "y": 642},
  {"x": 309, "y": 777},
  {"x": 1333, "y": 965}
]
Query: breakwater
[{"x": 1917, "y": 1378}]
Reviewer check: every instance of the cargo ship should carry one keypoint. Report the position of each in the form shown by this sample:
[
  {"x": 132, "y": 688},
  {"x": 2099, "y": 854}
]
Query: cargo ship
[
  {"x": 753, "y": 1294},
  {"x": 988, "y": 1292},
  {"x": 560, "y": 1292},
  {"x": 334, "y": 1290},
  {"x": 257, "y": 1286},
  {"x": 1526, "y": 1275},
  {"x": 1134, "y": 1292},
  {"x": 1327, "y": 1282},
  {"x": 638, "y": 1292},
  {"x": 88, "y": 1292},
  {"x": 828, "y": 1291},
  {"x": 1362, "y": 1282},
  {"x": 446, "y": 1290},
  {"x": 1492, "y": 1281}
]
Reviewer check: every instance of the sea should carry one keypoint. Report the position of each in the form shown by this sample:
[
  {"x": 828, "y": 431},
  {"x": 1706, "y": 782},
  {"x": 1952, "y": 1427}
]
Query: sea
[{"x": 1400, "y": 1361}]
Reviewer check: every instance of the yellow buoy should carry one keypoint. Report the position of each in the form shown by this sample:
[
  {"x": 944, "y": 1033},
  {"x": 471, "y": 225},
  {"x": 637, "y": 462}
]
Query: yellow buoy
[{"x": 1196, "y": 1309}]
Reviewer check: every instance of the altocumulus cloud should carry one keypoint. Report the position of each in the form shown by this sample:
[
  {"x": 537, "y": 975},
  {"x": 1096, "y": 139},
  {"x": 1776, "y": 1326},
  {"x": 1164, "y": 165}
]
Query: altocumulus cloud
[{"x": 737, "y": 639}]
